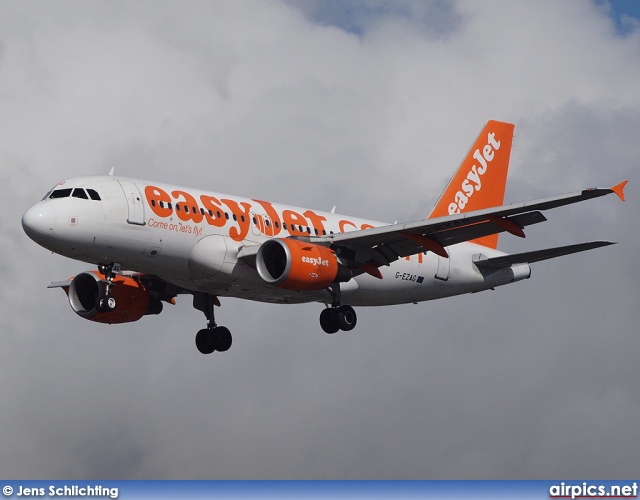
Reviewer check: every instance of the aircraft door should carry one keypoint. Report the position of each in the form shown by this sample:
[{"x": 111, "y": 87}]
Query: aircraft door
[{"x": 134, "y": 202}]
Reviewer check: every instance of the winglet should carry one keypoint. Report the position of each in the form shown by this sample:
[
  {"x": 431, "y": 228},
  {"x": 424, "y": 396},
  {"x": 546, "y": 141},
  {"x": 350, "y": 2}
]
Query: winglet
[{"x": 619, "y": 189}]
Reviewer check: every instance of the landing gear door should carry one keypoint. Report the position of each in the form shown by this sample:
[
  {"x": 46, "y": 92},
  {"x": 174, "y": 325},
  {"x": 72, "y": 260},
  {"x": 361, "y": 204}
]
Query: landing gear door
[{"x": 134, "y": 202}]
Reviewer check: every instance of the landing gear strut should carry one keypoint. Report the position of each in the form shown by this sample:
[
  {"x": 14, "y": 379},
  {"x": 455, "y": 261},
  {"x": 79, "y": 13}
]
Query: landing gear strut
[
  {"x": 212, "y": 338},
  {"x": 337, "y": 317},
  {"x": 105, "y": 302}
]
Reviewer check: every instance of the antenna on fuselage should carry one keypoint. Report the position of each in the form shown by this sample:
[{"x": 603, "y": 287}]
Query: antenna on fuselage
[
  {"x": 111, "y": 171},
  {"x": 333, "y": 210}
]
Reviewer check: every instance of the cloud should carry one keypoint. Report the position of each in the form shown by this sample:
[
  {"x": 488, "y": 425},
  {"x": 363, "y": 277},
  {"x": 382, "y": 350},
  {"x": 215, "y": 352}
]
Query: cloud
[{"x": 370, "y": 108}]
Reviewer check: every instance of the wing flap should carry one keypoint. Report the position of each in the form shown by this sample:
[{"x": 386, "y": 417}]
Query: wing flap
[
  {"x": 406, "y": 243},
  {"x": 492, "y": 225}
]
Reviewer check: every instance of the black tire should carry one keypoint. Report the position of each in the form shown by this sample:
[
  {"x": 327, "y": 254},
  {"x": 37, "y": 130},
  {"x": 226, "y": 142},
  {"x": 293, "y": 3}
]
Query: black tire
[
  {"x": 347, "y": 318},
  {"x": 205, "y": 341},
  {"x": 110, "y": 303},
  {"x": 329, "y": 320},
  {"x": 223, "y": 339},
  {"x": 100, "y": 305}
]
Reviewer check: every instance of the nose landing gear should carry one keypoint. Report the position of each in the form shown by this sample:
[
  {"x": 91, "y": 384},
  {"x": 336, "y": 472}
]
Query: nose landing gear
[
  {"x": 105, "y": 302},
  {"x": 212, "y": 338}
]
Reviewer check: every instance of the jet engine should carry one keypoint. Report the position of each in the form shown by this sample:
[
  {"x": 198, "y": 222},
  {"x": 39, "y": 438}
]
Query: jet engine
[
  {"x": 298, "y": 265},
  {"x": 132, "y": 298}
]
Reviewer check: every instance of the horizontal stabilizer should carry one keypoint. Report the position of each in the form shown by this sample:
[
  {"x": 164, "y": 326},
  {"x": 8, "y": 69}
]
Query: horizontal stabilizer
[{"x": 538, "y": 255}]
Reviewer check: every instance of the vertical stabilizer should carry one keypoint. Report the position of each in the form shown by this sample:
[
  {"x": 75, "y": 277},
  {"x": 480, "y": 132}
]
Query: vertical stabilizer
[{"x": 481, "y": 178}]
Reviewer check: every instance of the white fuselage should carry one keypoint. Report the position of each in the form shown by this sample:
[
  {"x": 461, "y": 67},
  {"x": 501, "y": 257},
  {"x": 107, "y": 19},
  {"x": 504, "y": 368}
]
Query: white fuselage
[{"x": 191, "y": 238}]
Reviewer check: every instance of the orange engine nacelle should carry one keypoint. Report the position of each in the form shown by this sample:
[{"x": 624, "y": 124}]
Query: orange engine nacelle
[
  {"x": 132, "y": 299},
  {"x": 297, "y": 265}
]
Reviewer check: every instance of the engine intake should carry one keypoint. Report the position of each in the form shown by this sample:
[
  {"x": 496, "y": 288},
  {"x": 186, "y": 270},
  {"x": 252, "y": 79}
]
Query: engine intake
[
  {"x": 298, "y": 265},
  {"x": 132, "y": 298}
]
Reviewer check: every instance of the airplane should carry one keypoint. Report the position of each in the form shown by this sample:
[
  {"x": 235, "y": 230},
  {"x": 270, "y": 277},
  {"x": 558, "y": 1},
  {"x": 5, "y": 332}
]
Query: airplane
[{"x": 153, "y": 241}]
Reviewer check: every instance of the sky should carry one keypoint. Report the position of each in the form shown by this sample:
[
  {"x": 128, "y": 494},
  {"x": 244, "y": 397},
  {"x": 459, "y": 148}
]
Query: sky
[{"x": 370, "y": 106}]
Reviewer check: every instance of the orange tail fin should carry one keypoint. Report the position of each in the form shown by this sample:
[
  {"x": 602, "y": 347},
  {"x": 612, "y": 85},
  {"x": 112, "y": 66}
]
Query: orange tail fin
[{"x": 481, "y": 178}]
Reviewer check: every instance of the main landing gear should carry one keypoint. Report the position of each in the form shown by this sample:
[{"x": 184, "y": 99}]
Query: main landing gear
[
  {"x": 105, "y": 302},
  {"x": 337, "y": 317},
  {"x": 212, "y": 338}
]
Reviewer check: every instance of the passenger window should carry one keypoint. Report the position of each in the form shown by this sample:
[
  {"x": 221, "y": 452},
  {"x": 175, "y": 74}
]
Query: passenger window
[
  {"x": 93, "y": 194},
  {"x": 61, "y": 193},
  {"x": 79, "y": 193}
]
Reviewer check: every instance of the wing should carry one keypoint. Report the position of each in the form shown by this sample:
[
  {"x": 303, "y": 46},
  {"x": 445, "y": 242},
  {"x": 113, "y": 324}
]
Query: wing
[{"x": 369, "y": 249}]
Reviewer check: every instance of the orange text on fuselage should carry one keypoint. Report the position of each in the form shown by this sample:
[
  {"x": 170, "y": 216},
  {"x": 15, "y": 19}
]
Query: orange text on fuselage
[{"x": 219, "y": 212}]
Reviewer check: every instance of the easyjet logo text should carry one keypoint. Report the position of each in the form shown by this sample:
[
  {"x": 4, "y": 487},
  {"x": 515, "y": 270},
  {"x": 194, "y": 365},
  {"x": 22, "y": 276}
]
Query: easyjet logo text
[
  {"x": 315, "y": 261},
  {"x": 473, "y": 180},
  {"x": 241, "y": 216}
]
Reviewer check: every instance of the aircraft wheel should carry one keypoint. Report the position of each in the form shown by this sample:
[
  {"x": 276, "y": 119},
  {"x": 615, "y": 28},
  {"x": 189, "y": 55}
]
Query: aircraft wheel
[
  {"x": 110, "y": 303},
  {"x": 106, "y": 304},
  {"x": 205, "y": 341},
  {"x": 100, "y": 305},
  {"x": 329, "y": 320},
  {"x": 223, "y": 338},
  {"x": 347, "y": 318}
]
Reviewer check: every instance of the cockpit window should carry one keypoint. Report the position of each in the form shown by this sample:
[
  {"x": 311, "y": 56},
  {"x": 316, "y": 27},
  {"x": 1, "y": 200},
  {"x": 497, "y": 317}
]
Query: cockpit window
[
  {"x": 60, "y": 193},
  {"x": 80, "y": 193},
  {"x": 49, "y": 192},
  {"x": 77, "y": 193},
  {"x": 93, "y": 194}
]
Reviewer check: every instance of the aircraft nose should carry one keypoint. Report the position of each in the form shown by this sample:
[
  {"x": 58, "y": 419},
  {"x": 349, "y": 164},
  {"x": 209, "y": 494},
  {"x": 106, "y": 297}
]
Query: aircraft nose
[{"x": 39, "y": 221}]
